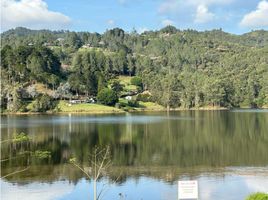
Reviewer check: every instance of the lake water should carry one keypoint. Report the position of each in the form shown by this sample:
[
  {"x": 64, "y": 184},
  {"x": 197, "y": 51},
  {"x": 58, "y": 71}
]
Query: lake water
[{"x": 226, "y": 151}]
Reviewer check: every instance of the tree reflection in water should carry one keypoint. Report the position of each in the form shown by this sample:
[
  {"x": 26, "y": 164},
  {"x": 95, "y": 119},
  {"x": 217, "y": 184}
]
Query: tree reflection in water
[{"x": 160, "y": 145}]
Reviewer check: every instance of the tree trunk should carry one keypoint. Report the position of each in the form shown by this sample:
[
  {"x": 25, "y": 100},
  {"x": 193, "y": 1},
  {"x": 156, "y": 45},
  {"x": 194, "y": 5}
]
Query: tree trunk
[
  {"x": 168, "y": 107},
  {"x": 95, "y": 189},
  {"x": 196, "y": 100}
]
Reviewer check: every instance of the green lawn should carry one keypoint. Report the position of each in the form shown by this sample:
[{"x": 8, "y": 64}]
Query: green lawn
[
  {"x": 64, "y": 106},
  {"x": 125, "y": 80},
  {"x": 150, "y": 106}
]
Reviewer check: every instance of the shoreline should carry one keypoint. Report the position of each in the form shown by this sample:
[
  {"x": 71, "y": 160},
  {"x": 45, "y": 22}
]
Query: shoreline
[{"x": 129, "y": 111}]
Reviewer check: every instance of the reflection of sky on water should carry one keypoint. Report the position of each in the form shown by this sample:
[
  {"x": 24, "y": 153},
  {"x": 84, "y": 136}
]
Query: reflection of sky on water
[
  {"x": 115, "y": 119},
  {"x": 231, "y": 187},
  {"x": 134, "y": 118},
  {"x": 34, "y": 191}
]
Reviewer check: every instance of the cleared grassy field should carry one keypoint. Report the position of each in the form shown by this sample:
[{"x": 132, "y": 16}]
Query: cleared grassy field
[
  {"x": 64, "y": 106},
  {"x": 125, "y": 80}
]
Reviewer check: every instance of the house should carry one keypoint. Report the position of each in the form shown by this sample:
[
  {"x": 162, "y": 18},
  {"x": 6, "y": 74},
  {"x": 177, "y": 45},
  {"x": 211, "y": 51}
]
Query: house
[
  {"x": 48, "y": 44},
  {"x": 101, "y": 43},
  {"x": 91, "y": 100},
  {"x": 222, "y": 49},
  {"x": 128, "y": 97},
  {"x": 60, "y": 39},
  {"x": 75, "y": 101},
  {"x": 86, "y": 46}
]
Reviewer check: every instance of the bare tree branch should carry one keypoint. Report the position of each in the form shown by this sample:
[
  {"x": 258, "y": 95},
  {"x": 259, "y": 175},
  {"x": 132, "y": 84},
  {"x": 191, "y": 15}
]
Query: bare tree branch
[
  {"x": 16, "y": 172},
  {"x": 81, "y": 169}
]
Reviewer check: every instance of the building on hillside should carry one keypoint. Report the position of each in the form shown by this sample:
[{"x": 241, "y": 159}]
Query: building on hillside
[{"x": 128, "y": 97}]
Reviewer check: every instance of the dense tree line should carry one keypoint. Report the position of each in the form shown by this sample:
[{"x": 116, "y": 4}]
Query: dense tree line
[{"x": 179, "y": 68}]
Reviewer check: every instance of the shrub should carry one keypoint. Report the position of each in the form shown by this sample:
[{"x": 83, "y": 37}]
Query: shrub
[
  {"x": 117, "y": 87},
  {"x": 107, "y": 97},
  {"x": 258, "y": 196},
  {"x": 42, "y": 154},
  {"x": 22, "y": 137},
  {"x": 43, "y": 103},
  {"x": 136, "y": 81},
  {"x": 133, "y": 103},
  {"x": 117, "y": 105},
  {"x": 144, "y": 97}
]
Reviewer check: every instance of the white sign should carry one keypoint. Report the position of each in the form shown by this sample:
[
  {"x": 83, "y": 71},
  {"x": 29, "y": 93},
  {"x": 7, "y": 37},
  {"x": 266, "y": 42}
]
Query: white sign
[{"x": 188, "y": 189}]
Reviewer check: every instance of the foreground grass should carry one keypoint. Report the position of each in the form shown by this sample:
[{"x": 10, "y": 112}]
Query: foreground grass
[
  {"x": 258, "y": 196},
  {"x": 64, "y": 106}
]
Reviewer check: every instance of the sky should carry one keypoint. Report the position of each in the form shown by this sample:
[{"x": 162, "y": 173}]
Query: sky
[{"x": 233, "y": 16}]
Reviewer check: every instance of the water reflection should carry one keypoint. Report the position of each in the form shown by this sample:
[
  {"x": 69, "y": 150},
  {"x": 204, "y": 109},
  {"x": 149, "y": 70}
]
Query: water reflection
[
  {"x": 220, "y": 187},
  {"x": 156, "y": 145}
]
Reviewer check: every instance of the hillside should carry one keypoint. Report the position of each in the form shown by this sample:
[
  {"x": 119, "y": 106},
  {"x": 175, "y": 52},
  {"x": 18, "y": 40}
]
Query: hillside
[{"x": 177, "y": 68}]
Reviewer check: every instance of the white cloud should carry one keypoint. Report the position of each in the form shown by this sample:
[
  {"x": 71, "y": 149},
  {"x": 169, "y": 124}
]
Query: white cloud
[
  {"x": 169, "y": 6},
  {"x": 167, "y": 22},
  {"x": 209, "y": 2},
  {"x": 111, "y": 22},
  {"x": 257, "y": 18},
  {"x": 31, "y": 14},
  {"x": 257, "y": 184},
  {"x": 203, "y": 15},
  {"x": 196, "y": 10}
]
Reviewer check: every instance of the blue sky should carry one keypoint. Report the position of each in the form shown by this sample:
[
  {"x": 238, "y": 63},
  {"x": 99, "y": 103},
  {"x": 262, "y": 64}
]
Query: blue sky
[{"x": 234, "y": 16}]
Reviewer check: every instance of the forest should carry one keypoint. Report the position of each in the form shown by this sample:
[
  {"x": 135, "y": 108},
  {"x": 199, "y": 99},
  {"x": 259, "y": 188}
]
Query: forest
[{"x": 170, "y": 67}]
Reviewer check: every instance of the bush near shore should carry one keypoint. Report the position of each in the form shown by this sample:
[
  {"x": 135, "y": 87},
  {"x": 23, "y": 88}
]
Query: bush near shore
[{"x": 258, "y": 196}]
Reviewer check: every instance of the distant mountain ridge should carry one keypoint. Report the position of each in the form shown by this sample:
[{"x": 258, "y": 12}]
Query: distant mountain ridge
[{"x": 256, "y": 38}]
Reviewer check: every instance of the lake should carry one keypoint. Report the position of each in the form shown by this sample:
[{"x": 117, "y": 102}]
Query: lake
[{"x": 226, "y": 151}]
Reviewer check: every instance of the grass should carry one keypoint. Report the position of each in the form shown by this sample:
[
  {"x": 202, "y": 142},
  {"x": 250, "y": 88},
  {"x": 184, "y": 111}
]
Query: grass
[
  {"x": 29, "y": 106},
  {"x": 64, "y": 106},
  {"x": 258, "y": 196},
  {"x": 130, "y": 87},
  {"x": 105, "y": 51},
  {"x": 125, "y": 80},
  {"x": 151, "y": 106},
  {"x": 146, "y": 106}
]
